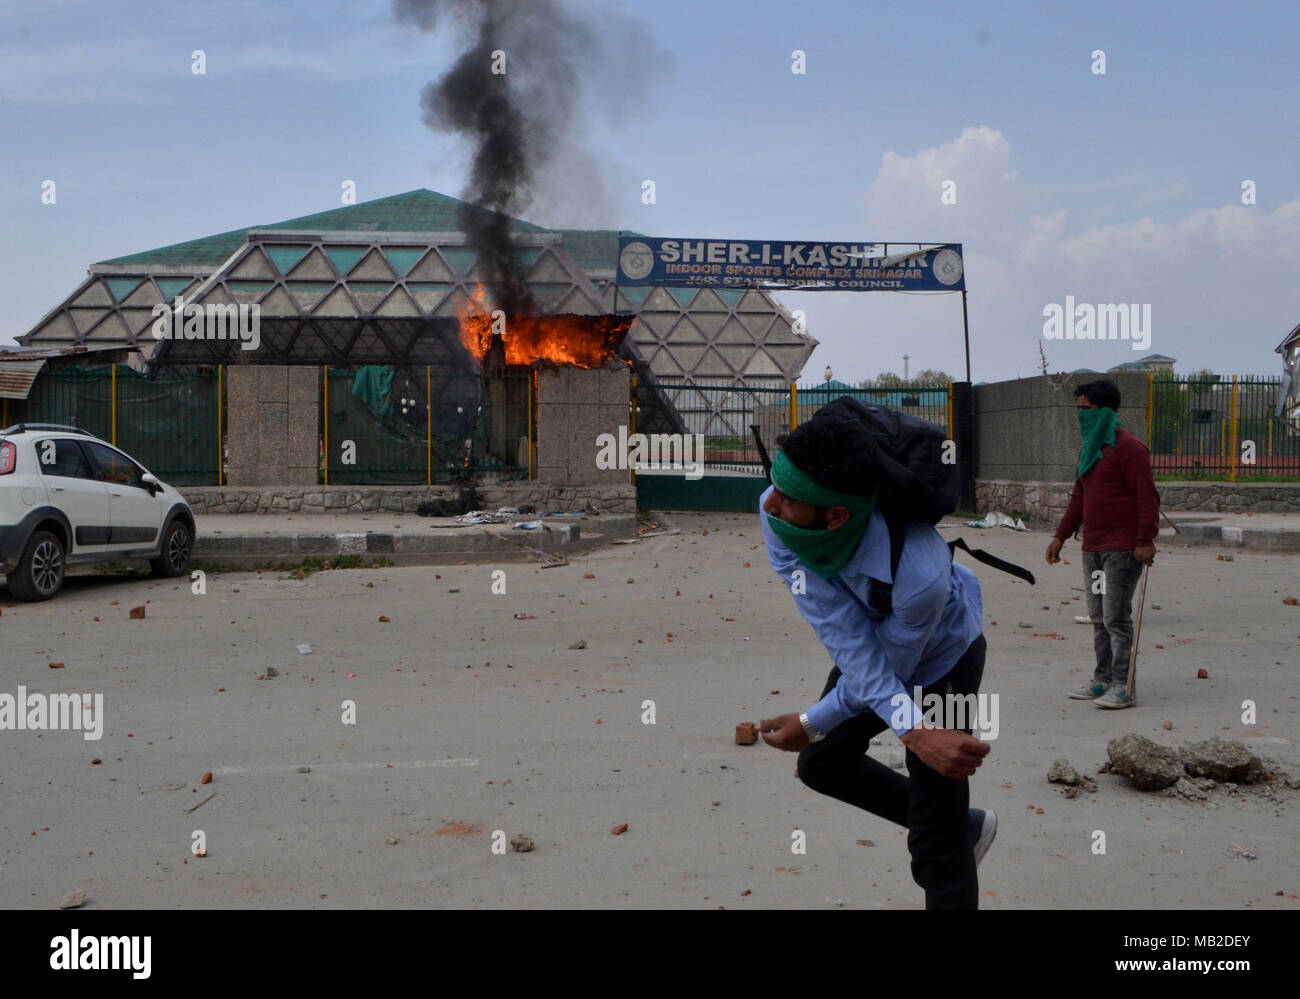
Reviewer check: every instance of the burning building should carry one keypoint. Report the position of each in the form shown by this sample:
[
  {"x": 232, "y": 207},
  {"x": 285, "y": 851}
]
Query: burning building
[
  {"x": 486, "y": 304},
  {"x": 395, "y": 282}
]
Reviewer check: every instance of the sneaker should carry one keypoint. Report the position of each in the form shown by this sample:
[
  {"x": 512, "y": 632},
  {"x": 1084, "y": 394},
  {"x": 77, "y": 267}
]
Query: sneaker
[
  {"x": 1089, "y": 692},
  {"x": 1116, "y": 697},
  {"x": 983, "y": 827}
]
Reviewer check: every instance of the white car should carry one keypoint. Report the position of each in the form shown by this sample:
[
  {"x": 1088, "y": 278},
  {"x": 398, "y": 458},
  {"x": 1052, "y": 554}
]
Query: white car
[{"x": 68, "y": 498}]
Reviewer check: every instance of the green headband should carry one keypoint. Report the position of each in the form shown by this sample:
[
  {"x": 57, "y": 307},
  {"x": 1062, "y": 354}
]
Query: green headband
[{"x": 799, "y": 485}]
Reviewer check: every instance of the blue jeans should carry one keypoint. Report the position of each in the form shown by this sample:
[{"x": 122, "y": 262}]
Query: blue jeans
[{"x": 1111, "y": 611}]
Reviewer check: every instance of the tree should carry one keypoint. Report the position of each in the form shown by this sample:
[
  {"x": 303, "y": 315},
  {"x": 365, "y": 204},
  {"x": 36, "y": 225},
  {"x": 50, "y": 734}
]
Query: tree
[
  {"x": 930, "y": 378},
  {"x": 884, "y": 380}
]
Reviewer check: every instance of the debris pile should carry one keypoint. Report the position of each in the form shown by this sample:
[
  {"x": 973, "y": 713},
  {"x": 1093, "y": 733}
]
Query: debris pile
[{"x": 1192, "y": 770}]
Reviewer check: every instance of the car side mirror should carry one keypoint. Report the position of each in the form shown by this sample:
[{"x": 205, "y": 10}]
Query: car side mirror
[{"x": 151, "y": 483}]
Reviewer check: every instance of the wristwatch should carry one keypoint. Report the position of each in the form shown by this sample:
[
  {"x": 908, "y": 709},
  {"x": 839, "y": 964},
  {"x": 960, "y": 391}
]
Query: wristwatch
[{"x": 812, "y": 733}]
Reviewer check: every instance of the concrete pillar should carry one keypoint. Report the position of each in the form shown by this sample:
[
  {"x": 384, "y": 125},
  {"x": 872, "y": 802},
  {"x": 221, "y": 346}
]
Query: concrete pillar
[
  {"x": 574, "y": 407},
  {"x": 273, "y": 424}
]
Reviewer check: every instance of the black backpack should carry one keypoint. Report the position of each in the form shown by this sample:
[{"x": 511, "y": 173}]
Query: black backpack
[{"x": 904, "y": 454}]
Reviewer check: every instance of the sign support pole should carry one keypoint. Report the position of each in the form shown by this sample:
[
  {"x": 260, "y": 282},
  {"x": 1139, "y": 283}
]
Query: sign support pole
[{"x": 965, "y": 329}]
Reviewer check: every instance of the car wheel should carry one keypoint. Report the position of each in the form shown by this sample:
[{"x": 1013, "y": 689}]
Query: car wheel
[
  {"x": 40, "y": 571},
  {"x": 174, "y": 556}
]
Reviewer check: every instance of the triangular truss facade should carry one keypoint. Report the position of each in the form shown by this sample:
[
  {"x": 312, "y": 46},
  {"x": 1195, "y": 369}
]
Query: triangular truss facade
[{"x": 383, "y": 283}]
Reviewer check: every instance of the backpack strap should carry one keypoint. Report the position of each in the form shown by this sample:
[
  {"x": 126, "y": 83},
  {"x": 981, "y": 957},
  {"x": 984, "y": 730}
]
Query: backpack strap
[
  {"x": 980, "y": 555},
  {"x": 881, "y": 595},
  {"x": 881, "y": 592},
  {"x": 762, "y": 453}
]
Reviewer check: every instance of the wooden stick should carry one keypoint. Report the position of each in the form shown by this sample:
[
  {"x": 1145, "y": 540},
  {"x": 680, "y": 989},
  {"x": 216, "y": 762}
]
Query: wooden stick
[
  {"x": 1137, "y": 633},
  {"x": 203, "y": 802}
]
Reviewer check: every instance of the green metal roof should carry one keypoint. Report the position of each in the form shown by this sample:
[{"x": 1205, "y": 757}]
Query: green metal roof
[
  {"x": 415, "y": 211},
  {"x": 594, "y": 249}
]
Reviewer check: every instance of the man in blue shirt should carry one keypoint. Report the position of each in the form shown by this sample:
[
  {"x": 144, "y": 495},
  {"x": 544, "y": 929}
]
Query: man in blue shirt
[{"x": 829, "y": 542}]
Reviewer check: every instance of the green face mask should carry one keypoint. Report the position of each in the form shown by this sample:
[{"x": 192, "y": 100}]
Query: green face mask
[
  {"x": 1097, "y": 427},
  {"x": 823, "y": 550}
]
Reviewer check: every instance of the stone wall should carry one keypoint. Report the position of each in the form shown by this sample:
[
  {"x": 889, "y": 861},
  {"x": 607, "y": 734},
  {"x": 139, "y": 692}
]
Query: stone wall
[
  {"x": 1046, "y": 501},
  {"x": 1229, "y": 497},
  {"x": 1038, "y": 501},
  {"x": 545, "y": 497},
  {"x": 273, "y": 424}
]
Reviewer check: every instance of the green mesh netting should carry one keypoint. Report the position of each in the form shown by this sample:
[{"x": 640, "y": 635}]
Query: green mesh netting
[
  {"x": 379, "y": 418},
  {"x": 166, "y": 421}
]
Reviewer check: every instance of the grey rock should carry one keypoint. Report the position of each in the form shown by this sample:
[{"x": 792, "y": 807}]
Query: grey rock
[
  {"x": 304, "y": 770},
  {"x": 1189, "y": 790},
  {"x": 1148, "y": 766},
  {"x": 581, "y": 643},
  {"x": 521, "y": 843},
  {"x": 271, "y": 672},
  {"x": 1062, "y": 773},
  {"x": 1221, "y": 760},
  {"x": 73, "y": 900}
]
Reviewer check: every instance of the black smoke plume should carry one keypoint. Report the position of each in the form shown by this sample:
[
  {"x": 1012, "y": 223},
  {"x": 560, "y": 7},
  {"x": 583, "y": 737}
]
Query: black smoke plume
[{"x": 512, "y": 120}]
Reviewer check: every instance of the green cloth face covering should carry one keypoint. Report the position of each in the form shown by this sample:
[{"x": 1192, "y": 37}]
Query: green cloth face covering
[
  {"x": 824, "y": 551},
  {"x": 1098, "y": 428}
]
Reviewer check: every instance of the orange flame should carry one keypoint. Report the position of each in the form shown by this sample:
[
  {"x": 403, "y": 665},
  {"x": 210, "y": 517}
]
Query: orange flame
[{"x": 584, "y": 341}]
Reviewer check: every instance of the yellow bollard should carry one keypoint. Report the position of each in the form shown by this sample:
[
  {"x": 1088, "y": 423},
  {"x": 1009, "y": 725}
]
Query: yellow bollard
[
  {"x": 1232, "y": 468},
  {"x": 631, "y": 466},
  {"x": 326, "y": 471}
]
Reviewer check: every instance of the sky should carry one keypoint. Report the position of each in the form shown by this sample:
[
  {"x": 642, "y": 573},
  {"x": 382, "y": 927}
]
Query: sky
[{"x": 1117, "y": 187}]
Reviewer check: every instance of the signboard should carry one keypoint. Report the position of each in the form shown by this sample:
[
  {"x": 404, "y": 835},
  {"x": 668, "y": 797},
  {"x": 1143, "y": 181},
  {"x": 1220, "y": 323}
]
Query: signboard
[{"x": 645, "y": 260}]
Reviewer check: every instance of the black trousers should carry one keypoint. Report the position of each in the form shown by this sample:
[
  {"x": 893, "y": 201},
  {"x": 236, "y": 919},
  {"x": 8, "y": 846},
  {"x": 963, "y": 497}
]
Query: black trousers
[{"x": 933, "y": 808}]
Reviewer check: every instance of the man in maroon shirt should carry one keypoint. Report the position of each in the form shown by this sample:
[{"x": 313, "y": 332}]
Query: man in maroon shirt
[{"x": 1115, "y": 499}]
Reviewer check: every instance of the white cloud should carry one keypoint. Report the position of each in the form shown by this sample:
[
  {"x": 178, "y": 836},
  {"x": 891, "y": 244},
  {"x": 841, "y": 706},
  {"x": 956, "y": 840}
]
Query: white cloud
[{"x": 1220, "y": 279}]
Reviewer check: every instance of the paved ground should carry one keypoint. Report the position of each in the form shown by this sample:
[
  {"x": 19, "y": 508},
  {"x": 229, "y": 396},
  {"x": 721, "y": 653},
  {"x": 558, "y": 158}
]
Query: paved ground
[{"x": 550, "y": 742}]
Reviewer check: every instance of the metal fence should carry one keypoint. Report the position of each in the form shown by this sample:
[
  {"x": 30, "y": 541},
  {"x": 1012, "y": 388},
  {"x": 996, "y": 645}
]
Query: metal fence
[
  {"x": 168, "y": 421},
  {"x": 1221, "y": 428},
  {"x": 778, "y": 410},
  {"x": 382, "y": 425}
]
